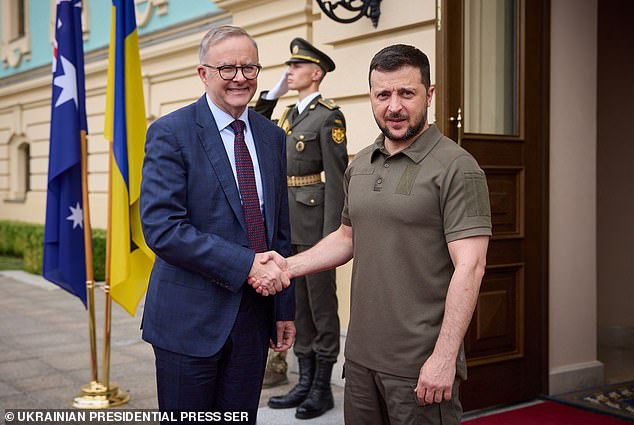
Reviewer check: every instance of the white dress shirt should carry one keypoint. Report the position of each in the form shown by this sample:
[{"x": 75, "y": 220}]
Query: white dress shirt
[
  {"x": 223, "y": 121},
  {"x": 302, "y": 104}
]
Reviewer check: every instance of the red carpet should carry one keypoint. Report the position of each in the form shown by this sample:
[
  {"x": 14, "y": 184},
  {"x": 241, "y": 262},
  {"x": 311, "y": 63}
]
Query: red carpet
[{"x": 546, "y": 413}]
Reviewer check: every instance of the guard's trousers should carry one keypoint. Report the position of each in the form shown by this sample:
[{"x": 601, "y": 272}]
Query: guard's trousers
[{"x": 316, "y": 316}]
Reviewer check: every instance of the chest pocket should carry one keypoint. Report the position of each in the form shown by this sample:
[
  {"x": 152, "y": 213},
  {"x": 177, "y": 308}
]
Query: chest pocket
[
  {"x": 361, "y": 176},
  {"x": 362, "y": 171},
  {"x": 303, "y": 141}
]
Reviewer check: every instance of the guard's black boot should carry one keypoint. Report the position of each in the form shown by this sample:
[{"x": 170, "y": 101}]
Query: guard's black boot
[
  {"x": 319, "y": 399},
  {"x": 298, "y": 393}
]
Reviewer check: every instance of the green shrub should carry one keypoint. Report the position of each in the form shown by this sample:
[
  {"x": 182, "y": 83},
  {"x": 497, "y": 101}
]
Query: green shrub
[
  {"x": 14, "y": 236},
  {"x": 34, "y": 250},
  {"x": 99, "y": 254},
  {"x": 26, "y": 240}
]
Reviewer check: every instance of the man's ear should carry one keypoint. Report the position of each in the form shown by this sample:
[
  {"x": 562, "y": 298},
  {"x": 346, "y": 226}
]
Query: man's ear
[
  {"x": 318, "y": 74},
  {"x": 202, "y": 74},
  {"x": 430, "y": 94}
]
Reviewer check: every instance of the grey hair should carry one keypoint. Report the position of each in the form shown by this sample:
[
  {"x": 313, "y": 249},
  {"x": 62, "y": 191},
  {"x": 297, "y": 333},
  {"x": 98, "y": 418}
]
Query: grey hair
[{"x": 217, "y": 34}]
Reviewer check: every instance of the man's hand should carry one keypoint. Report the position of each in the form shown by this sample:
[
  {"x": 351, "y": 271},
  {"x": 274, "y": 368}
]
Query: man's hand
[
  {"x": 266, "y": 277},
  {"x": 435, "y": 380},
  {"x": 280, "y": 89},
  {"x": 281, "y": 262},
  {"x": 274, "y": 258},
  {"x": 285, "y": 336}
]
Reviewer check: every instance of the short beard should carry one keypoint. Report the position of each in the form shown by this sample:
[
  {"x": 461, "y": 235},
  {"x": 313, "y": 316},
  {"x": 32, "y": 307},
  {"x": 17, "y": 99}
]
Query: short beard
[{"x": 412, "y": 130}]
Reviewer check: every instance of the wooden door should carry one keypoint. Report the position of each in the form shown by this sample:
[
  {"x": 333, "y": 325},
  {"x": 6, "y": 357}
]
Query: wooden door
[{"x": 492, "y": 95}]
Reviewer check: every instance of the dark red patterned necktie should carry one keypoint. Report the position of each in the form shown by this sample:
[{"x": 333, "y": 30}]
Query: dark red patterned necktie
[{"x": 248, "y": 190}]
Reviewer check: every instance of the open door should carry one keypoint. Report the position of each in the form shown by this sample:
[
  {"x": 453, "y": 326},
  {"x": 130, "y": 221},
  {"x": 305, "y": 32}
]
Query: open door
[{"x": 492, "y": 97}]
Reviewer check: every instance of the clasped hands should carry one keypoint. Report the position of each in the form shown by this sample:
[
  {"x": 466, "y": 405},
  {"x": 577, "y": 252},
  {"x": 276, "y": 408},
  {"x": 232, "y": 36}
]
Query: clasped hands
[{"x": 269, "y": 273}]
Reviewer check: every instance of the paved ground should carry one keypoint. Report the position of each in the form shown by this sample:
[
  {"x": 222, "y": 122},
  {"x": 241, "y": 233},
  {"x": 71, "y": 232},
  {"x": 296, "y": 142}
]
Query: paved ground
[{"x": 44, "y": 353}]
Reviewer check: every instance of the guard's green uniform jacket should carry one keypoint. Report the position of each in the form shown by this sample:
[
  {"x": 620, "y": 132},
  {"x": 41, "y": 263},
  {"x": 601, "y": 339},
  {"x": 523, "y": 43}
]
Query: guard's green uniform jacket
[{"x": 315, "y": 142}]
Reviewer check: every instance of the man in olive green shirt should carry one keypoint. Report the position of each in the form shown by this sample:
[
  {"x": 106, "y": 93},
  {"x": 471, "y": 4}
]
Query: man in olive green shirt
[{"x": 419, "y": 207}]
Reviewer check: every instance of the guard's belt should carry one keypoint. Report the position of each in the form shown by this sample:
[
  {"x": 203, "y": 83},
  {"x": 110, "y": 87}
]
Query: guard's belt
[{"x": 294, "y": 181}]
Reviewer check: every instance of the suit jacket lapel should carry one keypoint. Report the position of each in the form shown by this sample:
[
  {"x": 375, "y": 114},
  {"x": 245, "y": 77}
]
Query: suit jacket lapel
[
  {"x": 209, "y": 136},
  {"x": 267, "y": 172}
]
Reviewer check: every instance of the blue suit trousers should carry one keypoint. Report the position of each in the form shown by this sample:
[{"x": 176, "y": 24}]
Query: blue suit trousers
[{"x": 201, "y": 384}]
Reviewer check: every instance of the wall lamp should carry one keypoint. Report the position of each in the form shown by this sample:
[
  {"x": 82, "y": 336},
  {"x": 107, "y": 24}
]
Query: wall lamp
[{"x": 368, "y": 8}]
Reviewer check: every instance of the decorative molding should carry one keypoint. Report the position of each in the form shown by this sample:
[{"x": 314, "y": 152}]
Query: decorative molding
[
  {"x": 151, "y": 45},
  {"x": 147, "y": 90},
  {"x": 18, "y": 114},
  {"x": 233, "y": 6},
  {"x": 145, "y": 16},
  {"x": 497, "y": 329},
  {"x": 85, "y": 19},
  {"x": 14, "y": 50}
]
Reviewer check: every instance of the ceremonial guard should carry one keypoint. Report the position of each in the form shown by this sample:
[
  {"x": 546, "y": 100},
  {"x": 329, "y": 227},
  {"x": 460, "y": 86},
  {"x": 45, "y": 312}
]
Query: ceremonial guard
[{"x": 316, "y": 145}]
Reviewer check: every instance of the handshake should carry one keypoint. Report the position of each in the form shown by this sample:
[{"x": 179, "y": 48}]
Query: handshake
[{"x": 269, "y": 273}]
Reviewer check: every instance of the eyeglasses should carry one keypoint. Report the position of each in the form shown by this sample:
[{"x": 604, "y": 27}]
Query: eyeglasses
[{"x": 229, "y": 72}]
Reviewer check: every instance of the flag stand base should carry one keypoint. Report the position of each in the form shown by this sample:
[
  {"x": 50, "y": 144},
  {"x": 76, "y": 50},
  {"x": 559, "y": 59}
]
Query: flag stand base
[{"x": 97, "y": 396}]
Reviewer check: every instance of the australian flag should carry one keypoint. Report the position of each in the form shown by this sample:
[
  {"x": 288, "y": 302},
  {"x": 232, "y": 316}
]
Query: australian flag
[{"x": 64, "y": 254}]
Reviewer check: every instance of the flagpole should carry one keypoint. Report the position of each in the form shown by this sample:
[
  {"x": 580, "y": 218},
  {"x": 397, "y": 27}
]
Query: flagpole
[
  {"x": 90, "y": 280},
  {"x": 105, "y": 359},
  {"x": 97, "y": 395},
  {"x": 93, "y": 389},
  {"x": 115, "y": 395}
]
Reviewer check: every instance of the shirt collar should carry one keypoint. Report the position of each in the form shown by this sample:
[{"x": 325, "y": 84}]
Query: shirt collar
[
  {"x": 223, "y": 119},
  {"x": 418, "y": 150},
  {"x": 301, "y": 105}
]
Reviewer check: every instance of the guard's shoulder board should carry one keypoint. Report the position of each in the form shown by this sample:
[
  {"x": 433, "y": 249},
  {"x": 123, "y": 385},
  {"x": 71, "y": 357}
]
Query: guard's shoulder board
[{"x": 329, "y": 103}]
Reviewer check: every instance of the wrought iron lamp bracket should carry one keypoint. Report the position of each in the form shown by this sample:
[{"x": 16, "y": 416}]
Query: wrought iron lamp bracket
[{"x": 368, "y": 8}]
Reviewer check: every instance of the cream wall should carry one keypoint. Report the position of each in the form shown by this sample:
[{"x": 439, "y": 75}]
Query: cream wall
[
  {"x": 573, "y": 193},
  {"x": 25, "y": 116}
]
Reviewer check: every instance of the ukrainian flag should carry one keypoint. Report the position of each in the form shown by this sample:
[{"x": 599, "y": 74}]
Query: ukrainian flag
[{"x": 130, "y": 258}]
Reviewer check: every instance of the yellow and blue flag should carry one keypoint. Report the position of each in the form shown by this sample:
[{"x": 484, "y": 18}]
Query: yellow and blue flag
[
  {"x": 64, "y": 252},
  {"x": 130, "y": 258}
]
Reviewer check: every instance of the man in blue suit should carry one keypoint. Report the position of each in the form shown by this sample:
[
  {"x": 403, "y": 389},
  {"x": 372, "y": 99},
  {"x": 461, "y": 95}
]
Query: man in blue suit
[{"x": 213, "y": 200}]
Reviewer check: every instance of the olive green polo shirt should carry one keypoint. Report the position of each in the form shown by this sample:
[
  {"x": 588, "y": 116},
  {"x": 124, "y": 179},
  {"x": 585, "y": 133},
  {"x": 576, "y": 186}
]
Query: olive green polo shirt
[{"x": 404, "y": 209}]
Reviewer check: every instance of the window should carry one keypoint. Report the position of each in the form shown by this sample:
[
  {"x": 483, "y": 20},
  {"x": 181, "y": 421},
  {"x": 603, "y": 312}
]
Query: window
[
  {"x": 491, "y": 79},
  {"x": 18, "y": 27},
  {"x": 24, "y": 168},
  {"x": 19, "y": 168},
  {"x": 16, "y": 37}
]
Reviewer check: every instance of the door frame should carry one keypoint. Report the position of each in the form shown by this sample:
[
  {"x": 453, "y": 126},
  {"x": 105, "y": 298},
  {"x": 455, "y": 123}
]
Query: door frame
[{"x": 534, "y": 94}]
